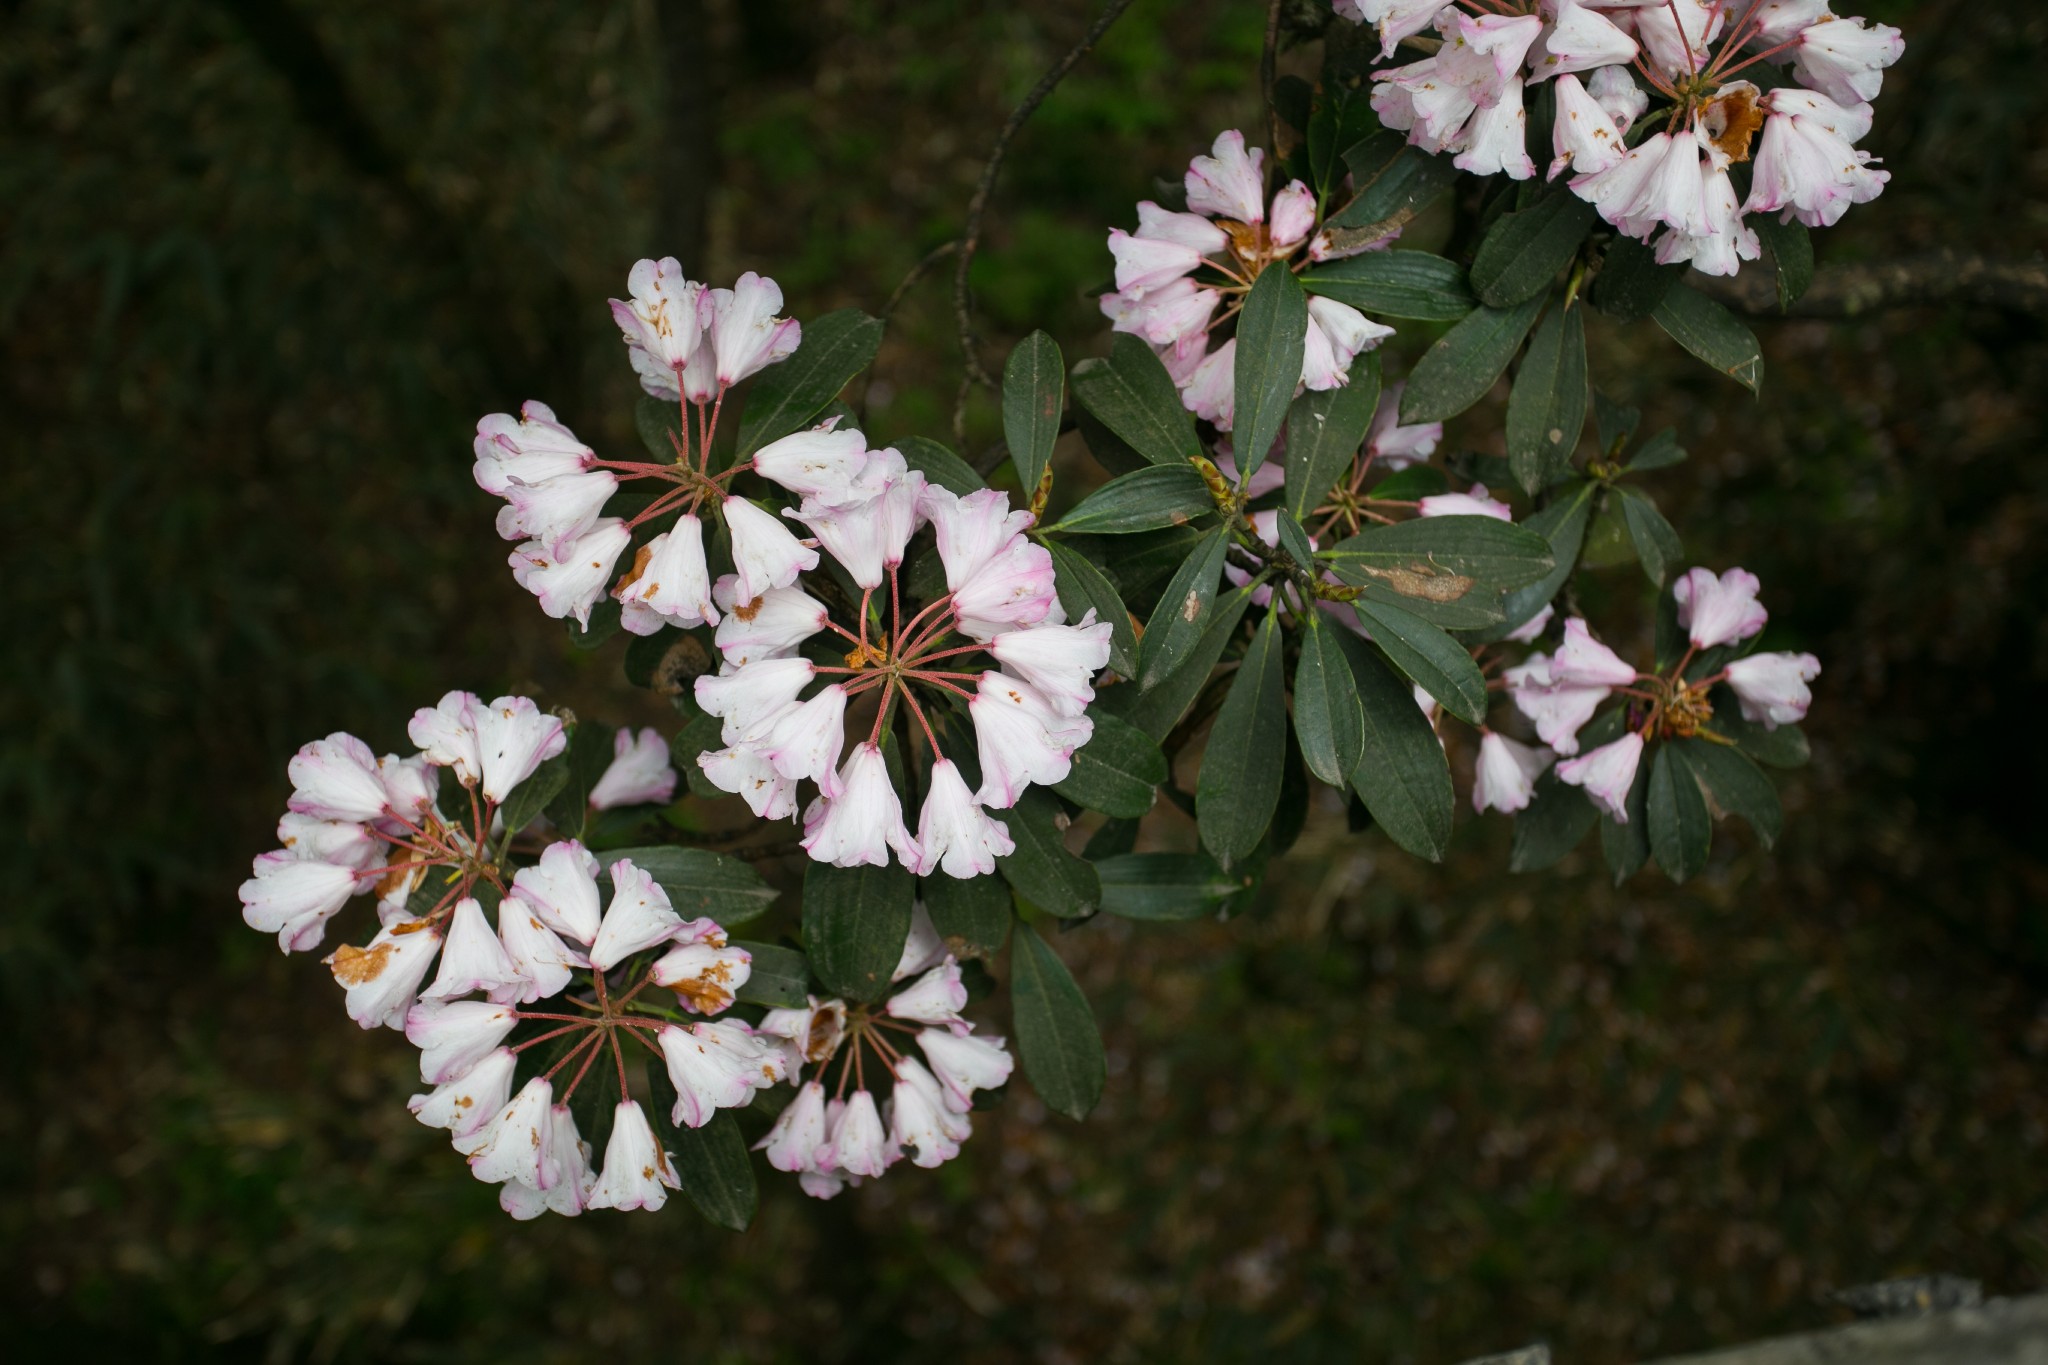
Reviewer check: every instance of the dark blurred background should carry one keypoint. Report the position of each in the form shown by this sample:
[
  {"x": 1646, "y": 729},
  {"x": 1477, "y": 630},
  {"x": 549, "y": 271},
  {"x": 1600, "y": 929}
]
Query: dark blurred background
[{"x": 264, "y": 263}]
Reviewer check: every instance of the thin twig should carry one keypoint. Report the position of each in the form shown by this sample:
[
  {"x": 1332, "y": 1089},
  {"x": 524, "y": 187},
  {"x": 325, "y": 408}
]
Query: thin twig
[
  {"x": 904, "y": 286},
  {"x": 1856, "y": 289},
  {"x": 1268, "y": 66},
  {"x": 970, "y": 237}
]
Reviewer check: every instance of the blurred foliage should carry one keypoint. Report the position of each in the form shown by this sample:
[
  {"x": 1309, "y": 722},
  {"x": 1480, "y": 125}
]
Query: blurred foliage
[{"x": 259, "y": 279}]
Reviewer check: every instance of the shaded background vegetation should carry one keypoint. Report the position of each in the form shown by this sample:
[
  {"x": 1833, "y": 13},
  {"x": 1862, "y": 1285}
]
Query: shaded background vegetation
[{"x": 261, "y": 268}]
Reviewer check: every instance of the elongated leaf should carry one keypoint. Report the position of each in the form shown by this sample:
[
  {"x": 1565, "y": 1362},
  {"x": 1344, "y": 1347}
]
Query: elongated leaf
[
  {"x": 789, "y": 396},
  {"x": 1547, "y": 407},
  {"x": 1178, "y": 621},
  {"x": 1553, "y": 824},
  {"x": 1435, "y": 662},
  {"x": 779, "y": 977},
  {"x": 1342, "y": 117},
  {"x": 1457, "y": 371},
  {"x": 1680, "y": 829},
  {"x": 714, "y": 1169},
  {"x": 1396, "y": 284},
  {"x": 1713, "y": 334},
  {"x": 1144, "y": 500},
  {"x": 1161, "y": 707},
  {"x": 1326, "y": 707},
  {"x": 1241, "y": 767},
  {"x": 1164, "y": 886},
  {"x": 1791, "y": 254},
  {"x": 1784, "y": 747},
  {"x": 972, "y": 914},
  {"x": 1056, "y": 1035},
  {"x": 1041, "y": 869},
  {"x": 1631, "y": 283},
  {"x": 1034, "y": 391},
  {"x": 855, "y": 922},
  {"x": 1132, "y": 395},
  {"x": 939, "y": 465},
  {"x": 1324, "y": 432},
  {"x": 700, "y": 882},
  {"x": 1627, "y": 844},
  {"x": 1118, "y": 771},
  {"x": 1293, "y": 538},
  {"x": 590, "y": 753},
  {"x": 1415, "y": 482},
  {"x": 1270, "y": 335},
  {"x": 1450, "y": 570},
  {"x": 1738, "y": 786},
  {"x": 1083, "y": 586},
  {"x": 531, "y": 797},
  {"x": 1402, "y": 775},
  {"x": 1394, "y": 182},
  {"x": 1657, "y": 545},
  {"x": 657, "y": 422},
  {"x": 1523, "y": 252},
  {"x": 1562, "y": 524}
]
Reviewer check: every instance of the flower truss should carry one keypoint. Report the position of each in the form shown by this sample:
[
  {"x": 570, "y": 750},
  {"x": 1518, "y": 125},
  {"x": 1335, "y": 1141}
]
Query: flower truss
[
  {"x": 1674, "y": 185},
  {"x": 1183, "y": 276}
]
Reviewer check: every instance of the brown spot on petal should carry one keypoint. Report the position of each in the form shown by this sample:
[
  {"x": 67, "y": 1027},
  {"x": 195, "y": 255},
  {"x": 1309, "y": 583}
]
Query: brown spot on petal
[
  {"x": 632, "y": 575},
  {"x": 1732, "y": 120},
  {"x": 355, "y": 966},
  {"x": 747, "y": 611},
  {"x": 399, "y": 877}
]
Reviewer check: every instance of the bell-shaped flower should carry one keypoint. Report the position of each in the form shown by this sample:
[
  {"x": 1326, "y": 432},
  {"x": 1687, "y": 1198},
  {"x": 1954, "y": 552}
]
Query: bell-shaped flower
[
  {"x": 799, "y": 1131},
  {"x": 294, "y": 898},
  {"x": 1060, "y": 661},
  {"x": 714, "y": 1066},
  {"x": 519, "y": 1144},
  {"x": 954, "y": 833},
  {"x": 922, "y": 946},
  {"x": 555, "y": 511},
  {"x": 1496, "y": 139},
  {"x": 454, "y": 1035},
  {"x": 770, "y": 626},
  {"x": 1805, "y": 163},
  {"x": 1726, "y": 244},
  {"x": 1606, "y": 774},
  {"x": 935, "y": 998},
  {"x": 746, "y": 335},
  {"x": 1583, "y": 135},
  {"x": 1529, "y": 630},
  {"x": 805, "y": 740},
  {"x": 1146, "y": 263},
  {"x": 973, "y": 530},
  {"x": 1015, "y": 587},
  {"x": 1558, "y": 710},
  {"x": 1578, "y": 39},
  {"x": 1505, "y": 778},
  {"x": 574, "y": 1178},
  {"x": 1336, "y": 334},
  {"x": 532, "y": 449},
  {"x": 639, "y": 916},
  {"x": 342, "y": 842},
  {"x": 1719, "y": 611},
  {"x": 1616, "y": 92},
  {"x": 380, "y": 982},
  {"x": 1021, "y": 739},
  {"x": 857, "y": 1143},
  {"x": 1210, "y": 393},
  {"x": 662, "y": 323},
  {"x": 921, "y": 1127},
  {"x": 765, "y": 552},
  {"x": 750, "y": 700},
  {"x": 820, "y": 463},
  {"x": 1845, "y": 59},
  {"x": 1394, "y": 19},
  {"x": 637, "y": 1172},
  {"x": 562, "y": 889},
  {"x": 569, "y": 583},
  {"x": 410, "y": 788},
  {"x": 1772, "y": 687},
  {"x": 1174, "y": 314},
  {"x": 810, "y": 1033},
  {"x": 446, "y": 734},
  {"x": 867, "y": 533},
  {"x": 542, "y": 960},
  {"x": 1229, "y": 182},
  {"x": 965, "y": 1063},
  {"x": 336, "y": 779},
  {"x": 669, "y": 583},
  {"x": 1293, "y": 216},
  {"x": 1678, "y": 35},
  {"x": 704, "y": 970},
  {"x": 1582, "y": 661},
  {"x": 1661, "y": 182},
  {"x": 744, "y": 770},
  {"x": 466, "y": 1103},
  {"x": 1396, "y": 446},
  {"x": 638, "y": 775},
  {"x": 863, "y": 821},
  {"x": 1190, "y": 230},
  {"x": 515, "y": 737},
  {"x": 1475, "y": 503},
  {"x": 474, "y": 959}
]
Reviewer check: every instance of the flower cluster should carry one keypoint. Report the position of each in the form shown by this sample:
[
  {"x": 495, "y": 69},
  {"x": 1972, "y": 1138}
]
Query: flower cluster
[
  {"x": 1559, "y": 693},
  {"x": 1177, "y": 271},
  {"x": 1026, "y": 700},
  {"x": 850, "y": 1136},
  {"x": 1468, "y": 99}
]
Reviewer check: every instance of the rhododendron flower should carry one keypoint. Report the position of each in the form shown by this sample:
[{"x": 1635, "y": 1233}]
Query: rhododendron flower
[
  {"x": 637, "y": 1174},
  {"x": 713, "y": 1066},
  {"x": 1582, "y": 661},
  {"x": 639, "y": 773},
  {"x": 454, "y": 1035},
  {"x": 1845, "y": 59},
  {"x": 1606, "y": 774},
  {"x": 1806, "y": 164},
  {"x": 746, "y": 336},
  {"x": 1505, "y": 778},
  {"x": 1559, "y": 710},
  {"x": 1473, "y": 503},
  {"x": 380, "y": 982},
  {"x": 1772, "y": 687},
  {"x": 669, "y": 583},
  {"x": 570, "y": 579},
  {"x": 1395, "y": 19},
  {"x": 466, "y": 1103},
  {"x": 639, "y": 917},
  {"x": 1719, "y": 611}
]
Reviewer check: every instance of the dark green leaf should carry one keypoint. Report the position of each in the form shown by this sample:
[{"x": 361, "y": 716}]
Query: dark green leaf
[
  {"x": 1292, "y": 98},
  {"x": 1457, "y": 371},
  {"x": 604, "y": 623},
  {"x": 1041, "y": 869},
  {"x": 1132, "y": 395},
  {"x": 1627, "y": 846},
  {"x": 1713, "y": 334},
  {"x": 972, "y": 914},
  {"x": 531, "y": 797},
  {"x": 1738, "y": 786},
  {"x": 1631, "y": 283},
  {"x": 1240, "y": 779},
  {"x": 1394, "y": 182},
  {"x": 1034, "y": 391},
  {"x": 1111, "y": 451},
  {"x": 1547, "y": 406},
  {"x": 590, "y": 753},
  {"x": 1791, "y": 253},
  {"x": 1160, "y": 707},
  {"x": 940, "y": 465},
  {"x": 1562, "y": 524},
  {"x": 1412, "y": 484},
  {"x": 1182, "y": 614},
  {"x": 1449, "y": 570},
  {"x": 1659, "y": 452},
  {"x": 1118, "y": 771},
  {"x": 1164, "y": 886},
  {"x": 779, "y": 978},
  {"x": 1342, "y": 118},
  {"x": 702, "y": 735},
  {"x": 1554, "y": 823},
  {"x": 1615, "y": 422},
  {"x": 1657, "y": 545},
  {"x": 1395, "y": 284},
  {"x": 1056, "y": 1035},
  {"x": 656, "y": 421},
  {"x": 1270, "y": 334},
  {"x": 1144, "y": 500},
  {"x": 1680, "y": 829},
  {"x": 714, "y": 1169},
  {"x": 1784, "y": 747},
  {"x": 788, "y": 397},
  {"x": 856, "y": 920},
  {"x": 1523, "y": 252},
  {"x": 700, "y": 882},
  {"x": 1326, "y": 709},
  {"x": 1402, "y": 775},
  {"x": 1294, "y": 539},
  {"x": 1082, "y": 586},
  {"x": 1434, "y": 661},
  {"x": 1324, "y": 432}
]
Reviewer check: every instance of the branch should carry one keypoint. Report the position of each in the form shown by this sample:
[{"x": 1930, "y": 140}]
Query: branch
[
  {"x": 1268, "y": 64},
  {"x": 970, "y": 238},
  {"x": 1849, "y": 291},
  {"x": 687, "y": 150}
]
